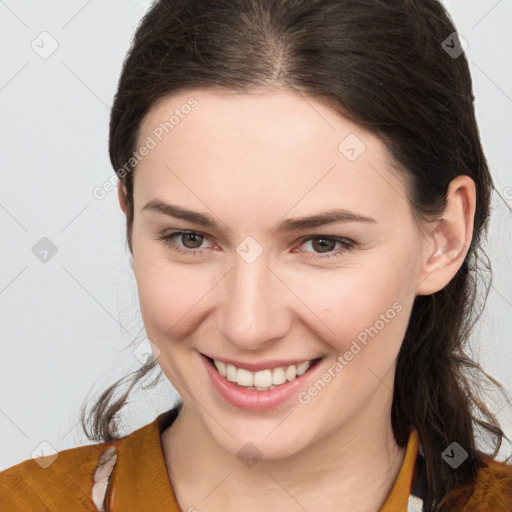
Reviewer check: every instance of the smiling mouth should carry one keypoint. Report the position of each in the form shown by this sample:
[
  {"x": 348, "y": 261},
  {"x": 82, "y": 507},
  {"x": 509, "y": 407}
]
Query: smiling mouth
[{"x": 262, "y": 380}]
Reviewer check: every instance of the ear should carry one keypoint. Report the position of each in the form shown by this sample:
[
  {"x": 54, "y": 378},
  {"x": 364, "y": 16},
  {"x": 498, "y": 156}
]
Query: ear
[
  {"x": 448, "y": 242},
  {"x": 122, "y": 194}
]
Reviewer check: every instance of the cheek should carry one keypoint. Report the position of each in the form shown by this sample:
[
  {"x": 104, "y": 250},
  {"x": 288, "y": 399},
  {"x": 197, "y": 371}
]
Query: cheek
[
  {"x": 357, "y": 305},
  {"x": 359, "y": 302},
  {"x": 169, "y": 295}
]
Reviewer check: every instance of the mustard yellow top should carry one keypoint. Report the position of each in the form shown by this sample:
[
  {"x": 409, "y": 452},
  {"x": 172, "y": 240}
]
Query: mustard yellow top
[{"x": 130, "y": 474}]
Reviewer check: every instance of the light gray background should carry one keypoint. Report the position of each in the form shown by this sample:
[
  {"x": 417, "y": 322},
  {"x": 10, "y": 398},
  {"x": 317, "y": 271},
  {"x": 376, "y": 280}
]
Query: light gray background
[{"x": 66, "y": 324}]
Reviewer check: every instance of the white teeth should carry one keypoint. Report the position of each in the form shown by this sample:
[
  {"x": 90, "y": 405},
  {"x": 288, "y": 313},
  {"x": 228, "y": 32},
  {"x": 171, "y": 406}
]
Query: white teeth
[
  {"x": 303, "y": 367},
  {"x": 231, "y": 372},
  {"x": 245, "y": 378},
  {"x": 291, "y": 372},
  {"x": 261, "y": 380},
  {"x": 278, "y": 376},
  {"x": 221, "y": 366}
]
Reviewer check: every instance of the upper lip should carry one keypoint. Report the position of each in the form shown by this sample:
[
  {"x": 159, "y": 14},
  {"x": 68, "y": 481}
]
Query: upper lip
[{"x": 264, "y": 365}]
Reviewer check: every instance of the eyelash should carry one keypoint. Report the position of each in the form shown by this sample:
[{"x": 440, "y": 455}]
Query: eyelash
[{"x": 169, "y": 241}]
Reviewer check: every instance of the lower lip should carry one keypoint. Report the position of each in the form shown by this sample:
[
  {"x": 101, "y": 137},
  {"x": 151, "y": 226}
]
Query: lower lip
[{"x": 250, "y": 399}]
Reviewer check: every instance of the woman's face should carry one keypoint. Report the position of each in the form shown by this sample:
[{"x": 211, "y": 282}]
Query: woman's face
[{"x": 255, "y": 286}]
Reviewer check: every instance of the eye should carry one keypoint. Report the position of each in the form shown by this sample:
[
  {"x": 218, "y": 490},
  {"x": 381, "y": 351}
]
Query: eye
[
  {"x": 326, "y": 244},
  {"x": 191, "y": 242}
]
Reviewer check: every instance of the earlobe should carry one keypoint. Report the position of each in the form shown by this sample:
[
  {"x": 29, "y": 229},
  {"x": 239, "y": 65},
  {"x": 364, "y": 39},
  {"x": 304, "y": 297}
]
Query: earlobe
[{"x": 449, "y": 241}]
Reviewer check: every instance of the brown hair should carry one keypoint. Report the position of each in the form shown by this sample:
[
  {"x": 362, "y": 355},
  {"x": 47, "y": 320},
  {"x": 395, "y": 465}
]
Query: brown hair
[{"x": 383, "y": 65}]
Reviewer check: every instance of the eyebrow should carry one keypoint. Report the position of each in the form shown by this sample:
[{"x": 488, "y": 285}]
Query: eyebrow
[{"x": 288, "y": 225}]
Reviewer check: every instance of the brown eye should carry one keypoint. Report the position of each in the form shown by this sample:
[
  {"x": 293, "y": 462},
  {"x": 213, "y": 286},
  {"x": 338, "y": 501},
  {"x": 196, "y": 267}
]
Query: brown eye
[
  {"x": 323, "y": 244},
  {"x": 191, "y": 240},
  {"x": 187, "y": 243}
]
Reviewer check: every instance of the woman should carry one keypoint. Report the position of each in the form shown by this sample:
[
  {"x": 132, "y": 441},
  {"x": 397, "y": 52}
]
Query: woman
[{"x": 305, "y": 193}]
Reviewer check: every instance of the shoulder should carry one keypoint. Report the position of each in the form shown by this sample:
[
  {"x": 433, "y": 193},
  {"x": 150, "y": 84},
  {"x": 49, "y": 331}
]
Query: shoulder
[
  {"x": 79, "y": 478},
  {"x": 493, "y": 487},
  {"x": 53, "y": 481},
  {"x": 491, "y": 491}
]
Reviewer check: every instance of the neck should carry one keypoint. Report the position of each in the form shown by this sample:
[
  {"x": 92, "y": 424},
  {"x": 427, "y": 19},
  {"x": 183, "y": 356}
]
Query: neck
[{"x": 361, "y": 459}]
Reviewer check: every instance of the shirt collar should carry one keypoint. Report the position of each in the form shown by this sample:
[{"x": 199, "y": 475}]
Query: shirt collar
[
  {"x": 140, "y": 480},
  {"x": 401, "y": 498}
]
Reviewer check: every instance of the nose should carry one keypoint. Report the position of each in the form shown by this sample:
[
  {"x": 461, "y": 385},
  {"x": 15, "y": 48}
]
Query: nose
[{"x": 254, "y": 312}]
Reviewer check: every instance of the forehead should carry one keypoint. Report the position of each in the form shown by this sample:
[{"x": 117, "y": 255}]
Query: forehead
[
  {"x": 255, "y": 117},
  {"x": 273, "y": 145}
]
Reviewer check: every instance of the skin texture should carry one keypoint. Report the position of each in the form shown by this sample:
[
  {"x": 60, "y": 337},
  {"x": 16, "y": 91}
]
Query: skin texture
[{"x": 251, "y": 161}]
